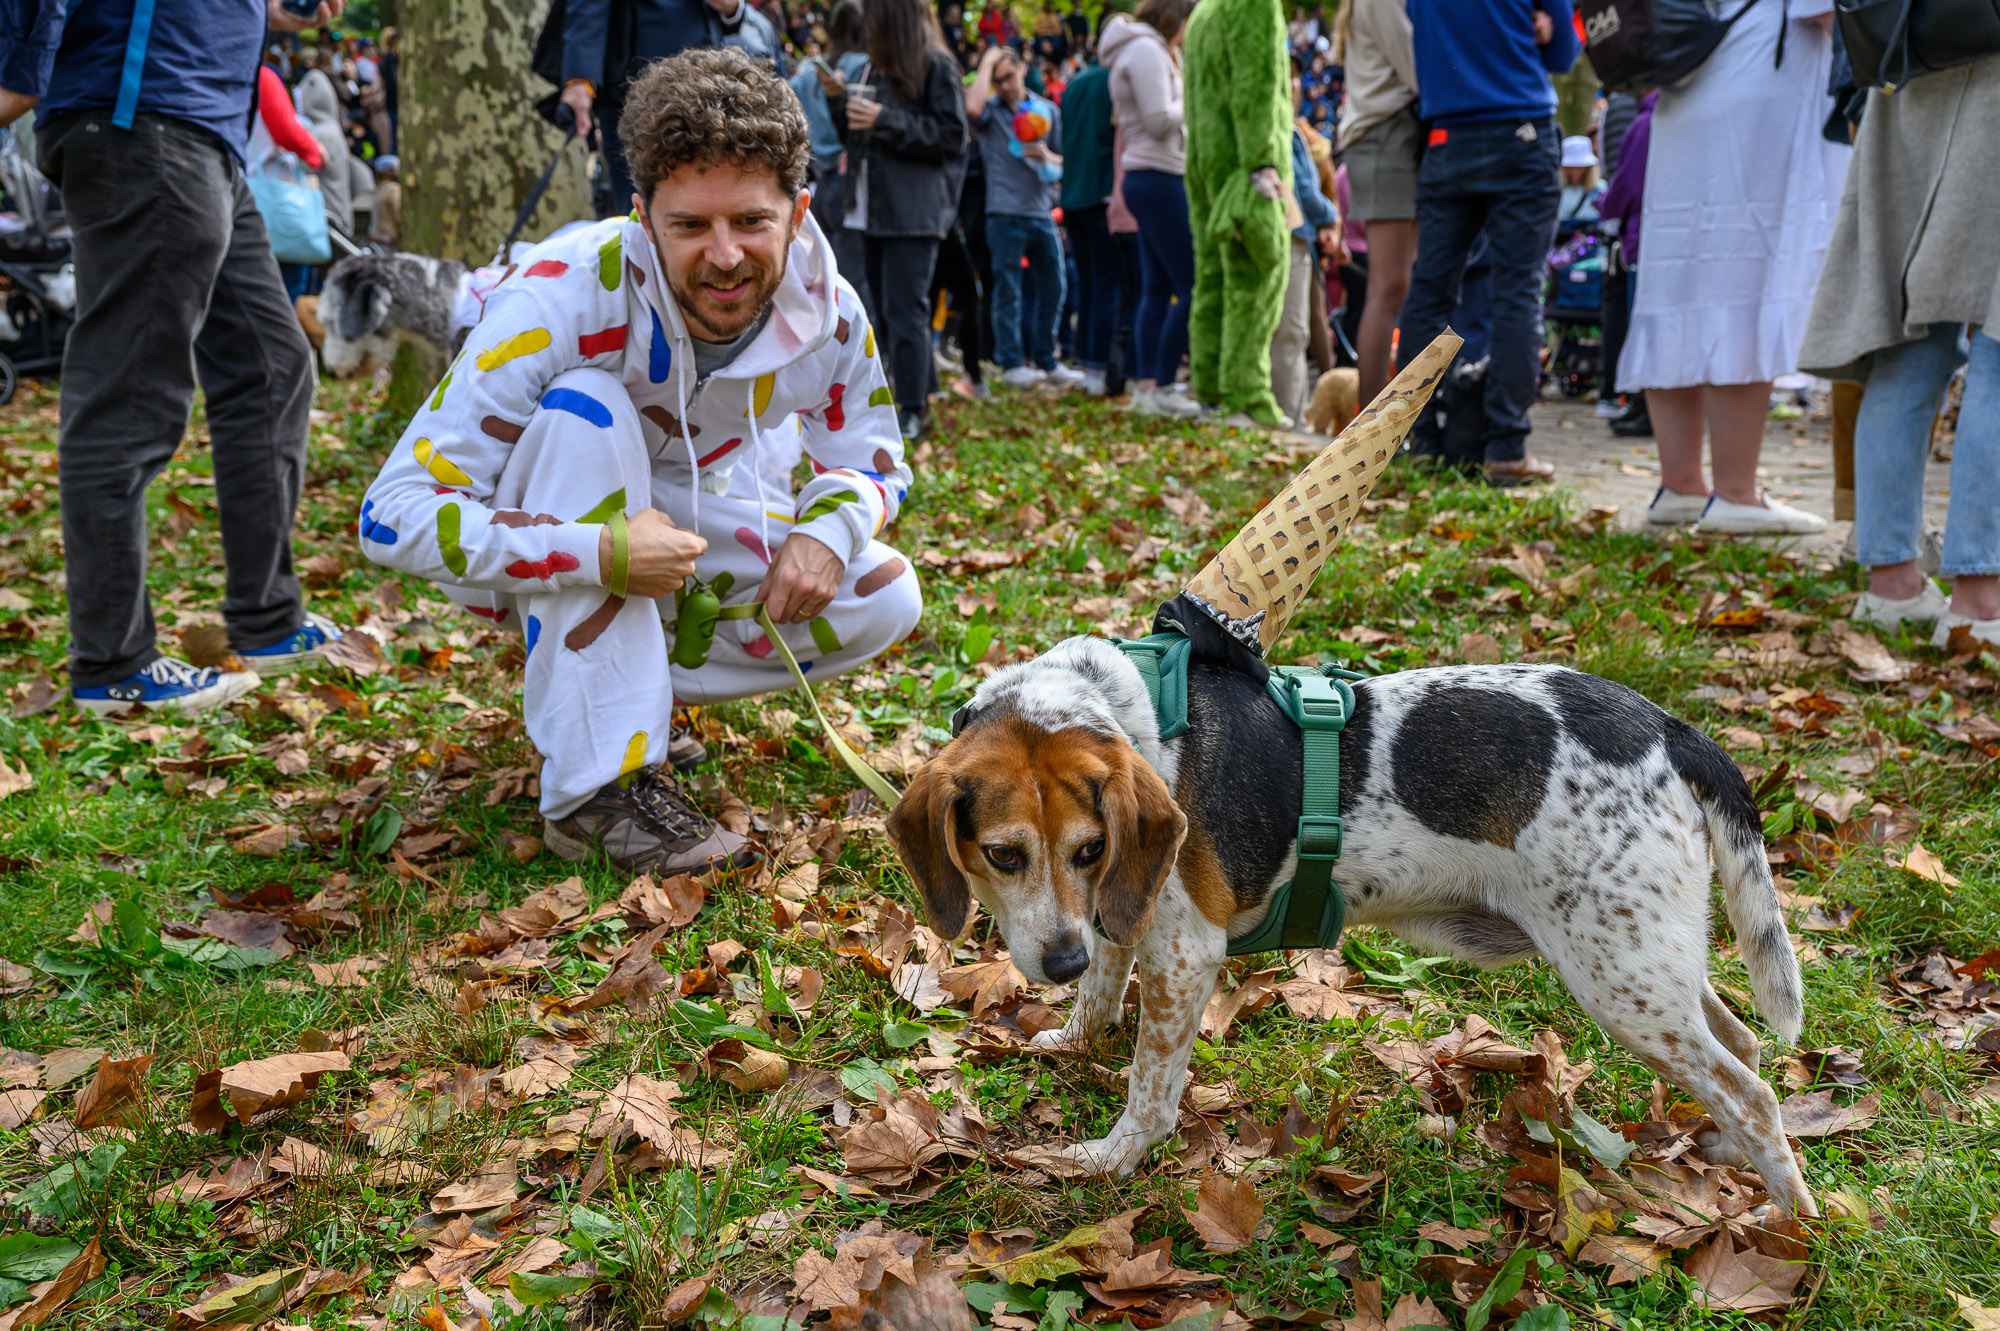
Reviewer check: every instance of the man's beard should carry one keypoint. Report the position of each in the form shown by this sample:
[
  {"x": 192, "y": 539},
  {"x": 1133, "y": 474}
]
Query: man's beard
[{"x": 725, "y": 323}]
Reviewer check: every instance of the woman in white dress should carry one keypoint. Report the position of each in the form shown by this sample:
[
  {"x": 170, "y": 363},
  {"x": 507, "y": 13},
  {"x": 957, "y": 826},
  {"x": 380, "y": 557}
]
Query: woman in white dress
[{"x": 1741, "y": 194}]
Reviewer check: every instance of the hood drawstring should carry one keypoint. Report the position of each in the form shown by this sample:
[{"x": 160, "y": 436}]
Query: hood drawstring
[{"x": 687, "y": 438}]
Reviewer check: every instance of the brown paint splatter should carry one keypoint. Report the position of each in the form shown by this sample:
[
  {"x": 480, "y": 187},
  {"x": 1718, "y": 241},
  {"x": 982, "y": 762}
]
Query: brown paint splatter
[
  {"x": 505, "y": 431},
  {"x": 514, "y": 517},
  {"x": 884, "y": 464},
  {"x": 638, "y": 277},
  {"x": 667, "y": 421},
  {"x": 590, "y": 630},
  {"x": 875, "y": 579},
  {"x": 841, "y": 330}
]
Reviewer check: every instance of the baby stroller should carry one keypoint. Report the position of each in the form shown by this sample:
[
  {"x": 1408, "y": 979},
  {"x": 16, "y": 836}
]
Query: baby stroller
[
  {"x": 1572, "y": 309},
  {"x": 37, "y": 279}
]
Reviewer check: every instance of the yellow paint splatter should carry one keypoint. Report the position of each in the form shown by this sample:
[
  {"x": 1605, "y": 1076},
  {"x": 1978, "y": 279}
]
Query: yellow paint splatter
[
  {"x": 440, "y": 466},
  {"x": 868, "y": 342},
  {"x": 635, "y": 754},
  {"x": 760, "y": 395},
  {"x": 521, "y": 344}
]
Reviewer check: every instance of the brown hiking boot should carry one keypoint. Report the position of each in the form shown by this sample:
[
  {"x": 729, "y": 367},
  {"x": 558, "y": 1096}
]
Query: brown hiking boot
[
  {"x": 684, "y": 751},
  {"x": 1520, "y": 471},
  {"x": 647, "y": 827}
]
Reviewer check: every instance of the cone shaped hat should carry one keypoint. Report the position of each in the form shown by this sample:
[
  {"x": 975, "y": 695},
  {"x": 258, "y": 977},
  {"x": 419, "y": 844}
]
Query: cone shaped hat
[{"x": 1255, "y": 585}]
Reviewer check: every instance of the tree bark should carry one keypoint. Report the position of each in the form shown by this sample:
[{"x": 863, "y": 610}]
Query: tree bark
[{"x": 472, "y": 144}]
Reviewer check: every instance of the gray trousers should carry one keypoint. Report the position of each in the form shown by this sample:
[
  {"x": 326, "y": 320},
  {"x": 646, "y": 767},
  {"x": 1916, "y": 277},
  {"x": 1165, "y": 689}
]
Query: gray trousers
[{"x": 175, "y": 284}]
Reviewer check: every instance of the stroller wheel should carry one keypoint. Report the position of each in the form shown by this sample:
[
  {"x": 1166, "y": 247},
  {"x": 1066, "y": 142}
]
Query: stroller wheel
[{"x": 10, "y": 379}]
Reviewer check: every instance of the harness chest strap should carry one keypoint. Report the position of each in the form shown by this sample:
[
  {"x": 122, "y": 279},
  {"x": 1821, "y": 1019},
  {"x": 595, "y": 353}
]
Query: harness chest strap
[{"x": 1308, "y": 910}]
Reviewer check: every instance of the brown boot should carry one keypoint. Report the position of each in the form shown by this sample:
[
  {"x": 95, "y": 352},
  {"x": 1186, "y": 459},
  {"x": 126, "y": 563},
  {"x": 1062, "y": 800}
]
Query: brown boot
[
  {"x": 648, "y": 826},
  {"x": 1520, "y": 471},
  {"x": 684, "y": 751}
]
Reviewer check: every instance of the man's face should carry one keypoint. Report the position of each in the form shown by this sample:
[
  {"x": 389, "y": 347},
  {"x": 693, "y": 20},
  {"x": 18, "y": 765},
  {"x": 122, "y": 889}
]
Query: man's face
[
  {"x": 1007, "y": 80},
  {"x": 722, "y": 232}
]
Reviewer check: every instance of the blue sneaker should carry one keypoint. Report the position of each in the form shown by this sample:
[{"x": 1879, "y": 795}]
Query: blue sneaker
[
  {"x": 289, "y": 654},
  {"x": 169, "y": 685}
]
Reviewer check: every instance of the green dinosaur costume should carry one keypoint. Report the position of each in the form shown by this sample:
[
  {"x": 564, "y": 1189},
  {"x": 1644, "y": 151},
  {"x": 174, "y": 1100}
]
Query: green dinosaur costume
[{"x": 1239, "y": 118}]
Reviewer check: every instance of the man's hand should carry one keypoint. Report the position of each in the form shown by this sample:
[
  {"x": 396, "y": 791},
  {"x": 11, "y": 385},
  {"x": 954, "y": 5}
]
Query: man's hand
[
  {"x": 862, "y": 113},
  {"x": 576, "y": 96},
  {"x": 661, "y": 555},
  {"x": 14, "y": 105},
  {"x": 801, "y": 581},
  {"x": 830, "y": 81},
  {"x": 284, "y": 20},
  {"x": 1545, "y": 28},
  {"x": 1266, "y": 181}
]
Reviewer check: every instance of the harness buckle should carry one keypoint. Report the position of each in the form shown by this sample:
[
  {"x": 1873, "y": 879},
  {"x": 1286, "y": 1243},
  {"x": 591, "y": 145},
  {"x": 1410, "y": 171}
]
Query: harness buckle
[{"x": 1319, "y": 836}]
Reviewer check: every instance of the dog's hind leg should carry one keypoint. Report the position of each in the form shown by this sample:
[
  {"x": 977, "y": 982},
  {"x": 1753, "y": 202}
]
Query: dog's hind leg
[
  {"x": 1739, "y": 1039},
  {"x": 1100, "y": 1001}
]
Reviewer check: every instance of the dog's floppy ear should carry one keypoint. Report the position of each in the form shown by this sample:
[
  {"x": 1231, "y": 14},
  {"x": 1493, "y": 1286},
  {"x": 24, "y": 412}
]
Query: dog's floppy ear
[
  {"x": 920, "y": 829},
  {"x": 1143, "y": 833},
  {"x": 366, "y": 305}
]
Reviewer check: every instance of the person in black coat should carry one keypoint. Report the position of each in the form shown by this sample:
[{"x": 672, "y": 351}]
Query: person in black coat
[
  {"x": 906, "y": 142},
  {"x": 606, "y": 42}
]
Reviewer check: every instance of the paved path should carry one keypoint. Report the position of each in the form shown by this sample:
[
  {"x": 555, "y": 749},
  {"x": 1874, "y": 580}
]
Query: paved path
[{"x": 1796, "y": 466}]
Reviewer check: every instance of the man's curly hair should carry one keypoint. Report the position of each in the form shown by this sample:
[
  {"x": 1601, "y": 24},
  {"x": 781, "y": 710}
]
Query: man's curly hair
[{"x": 713, "y": 104}]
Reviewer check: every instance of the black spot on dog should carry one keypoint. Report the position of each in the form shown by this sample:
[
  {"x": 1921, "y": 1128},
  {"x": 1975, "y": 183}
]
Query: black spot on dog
[
  {"x": 1615, "y": 724},
  {"x": 1473, "y": 762},
  {"x": 1242, "y": 766}
]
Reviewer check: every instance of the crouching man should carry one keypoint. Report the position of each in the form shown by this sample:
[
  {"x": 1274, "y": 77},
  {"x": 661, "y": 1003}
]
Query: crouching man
[{"x": 617, "y": 438}]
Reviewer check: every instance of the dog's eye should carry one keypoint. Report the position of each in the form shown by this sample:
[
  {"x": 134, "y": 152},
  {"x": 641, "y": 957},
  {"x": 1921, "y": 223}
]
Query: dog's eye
[
  {"x": 1007, "y": 859},
  {"x": 1090, "y": 851}
]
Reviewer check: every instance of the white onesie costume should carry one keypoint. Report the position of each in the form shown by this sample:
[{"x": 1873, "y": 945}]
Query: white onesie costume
[{"x": 575, "y": 394}]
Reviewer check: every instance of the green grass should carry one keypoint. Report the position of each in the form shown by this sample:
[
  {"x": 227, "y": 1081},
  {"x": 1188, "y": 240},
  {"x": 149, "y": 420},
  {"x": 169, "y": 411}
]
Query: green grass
[{"x": 1436, "y": 560}]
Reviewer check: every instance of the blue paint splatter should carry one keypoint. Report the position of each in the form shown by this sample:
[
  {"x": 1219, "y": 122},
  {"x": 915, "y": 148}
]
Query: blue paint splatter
[
  {"x": 534, "y": 633},
  {"x": 372, "y": 530},
  {"x": 661, "y": 358},
  {"x": 577, "y": 404},
  {"x": 805, "y": 667}
]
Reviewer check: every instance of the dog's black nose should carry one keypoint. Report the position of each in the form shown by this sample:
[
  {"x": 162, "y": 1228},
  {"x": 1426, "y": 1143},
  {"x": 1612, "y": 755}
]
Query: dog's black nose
[{"x": 1065, "y": 959}]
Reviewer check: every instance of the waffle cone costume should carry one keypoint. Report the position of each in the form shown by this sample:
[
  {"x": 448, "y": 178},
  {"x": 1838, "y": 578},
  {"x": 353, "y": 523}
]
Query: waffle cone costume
[{"x": 1254, "y": 586}]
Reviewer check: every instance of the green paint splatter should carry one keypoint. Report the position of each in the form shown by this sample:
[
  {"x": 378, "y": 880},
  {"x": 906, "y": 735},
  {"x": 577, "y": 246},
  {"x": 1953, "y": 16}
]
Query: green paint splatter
[
  {"x": 454, "y": 558},
  {"x": 611, "y": 503},
  {"x": 881, "y": 397},
  {"x": 825, "y": 504},
  {"x": 823, "y": 637},
  {"x": 610, "y": 257},
  {"x": 437, "y": 398}
]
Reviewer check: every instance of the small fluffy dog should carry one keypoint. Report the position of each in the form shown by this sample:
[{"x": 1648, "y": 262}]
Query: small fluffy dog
[
  {"x": 1491, "y": 813},
  {"x": 370, "y": 302},
  {"x": 1336, "y": 400}
]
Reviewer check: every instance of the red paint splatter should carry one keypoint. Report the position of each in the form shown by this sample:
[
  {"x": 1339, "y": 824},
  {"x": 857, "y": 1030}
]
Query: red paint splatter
[
  {"x": 547, "y": 268},
  {"x": 556, "y": 561},
  {"x": 760, "y": 648},
  {"x": 750, "y": 541},
  {"x": 498, "y": 616},
  {"x": 710, "y": 457},
  {"x": 596, "y": 344},
  {"x": 836, "y": 415}
]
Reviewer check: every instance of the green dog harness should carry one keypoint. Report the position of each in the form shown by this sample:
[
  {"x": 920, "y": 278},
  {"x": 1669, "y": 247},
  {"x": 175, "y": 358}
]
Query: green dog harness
[{"x": 1307, "y": 910}]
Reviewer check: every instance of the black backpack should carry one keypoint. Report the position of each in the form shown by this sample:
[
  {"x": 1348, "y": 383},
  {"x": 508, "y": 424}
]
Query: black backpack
[{"x": 1640, "y": 44}]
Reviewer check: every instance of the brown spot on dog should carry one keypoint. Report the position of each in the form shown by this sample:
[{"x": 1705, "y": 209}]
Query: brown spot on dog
[
  {"x": 591, "y": 629},
  {"x": 875, "y": 579},
  {"x": 1201, "y": 874},
  {"x": 505, "y": 431}
]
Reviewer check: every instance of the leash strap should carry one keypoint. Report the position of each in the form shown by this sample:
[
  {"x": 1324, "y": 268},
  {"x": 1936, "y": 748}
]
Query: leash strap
[
  {"x": 135, "y": 65},
  {"x": 534, "y": 195},
  {"x": 863, "y": 773},
  {"x": 1162, "y": 661}
]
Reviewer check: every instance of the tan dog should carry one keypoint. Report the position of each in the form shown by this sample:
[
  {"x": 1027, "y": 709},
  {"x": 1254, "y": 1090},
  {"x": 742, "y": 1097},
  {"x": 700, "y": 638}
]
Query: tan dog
[{"x": 1336, "y": 400}]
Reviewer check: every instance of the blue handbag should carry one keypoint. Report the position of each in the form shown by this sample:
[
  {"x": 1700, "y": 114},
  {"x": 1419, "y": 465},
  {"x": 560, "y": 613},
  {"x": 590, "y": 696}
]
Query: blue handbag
[{"x": 294, "y": 213}]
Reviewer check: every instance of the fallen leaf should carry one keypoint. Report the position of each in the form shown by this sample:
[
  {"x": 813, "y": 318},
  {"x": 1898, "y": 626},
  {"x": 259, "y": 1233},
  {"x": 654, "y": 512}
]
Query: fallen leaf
[
  {"x": 114, "y": 1095},
  {"x": 746, "y": 1067},
  {"x": 859, "y": 1261},
  {"x": 1871, "y": 660},
  {"x": 641, "y": 1105},
  {"x": 64, "y": 1066},
  {"x": 352, "y": 973},
  {"x": 683, "y": 1299},
  {"x": 1926, "y": 865},
  {"x": 673, "y": 901},
  {"x": 480, "y": 1193},
  {"x": 984, "y": 986},
  {"x": 535, "y": 1078},
  {"x": 250, "y": 1302},
  {"x": 46, "y": 1298},
  {"x": 1226, "y": 1213},
  {"x": 1412, "y": 1312},
  {"x": 263, "y": 1084},
  {"x": 1451, "y": 1236},
  {"x": 1745, "y": 1281},
  {"x": 1630, "y": 1257},
  {"x": 1479, "y": 649},
  {"x": 1976, "y": 1316},
  {"x": 1814, "y": 1114},
  {"x": 17, "y": 1107},
  {"x": 11, "y": 781}
]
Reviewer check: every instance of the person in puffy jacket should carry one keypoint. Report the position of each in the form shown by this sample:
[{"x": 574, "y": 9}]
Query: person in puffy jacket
[
  {"x": 1142, "y": 51},
  {"x": 594, "y": 465}
]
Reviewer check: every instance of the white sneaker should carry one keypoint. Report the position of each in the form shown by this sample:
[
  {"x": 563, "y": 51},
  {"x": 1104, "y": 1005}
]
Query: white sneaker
[
  {"x": 1145, "y": 401},
  {"x": 1243, "y": 420},
  {"x": 1769, "y": 518},
  {"x": 1178, "y": 404},
  {"x": 1987, "y": 630},
  {"x": 1065, "y": 376},
  {"x": 1926, "y": 607},
  {"x": 1671, "y": 508},
  {"x": 1608, "y": 408},
  {"x": 1022, "y": 376},
  {"x": 1093, "y": 382}
]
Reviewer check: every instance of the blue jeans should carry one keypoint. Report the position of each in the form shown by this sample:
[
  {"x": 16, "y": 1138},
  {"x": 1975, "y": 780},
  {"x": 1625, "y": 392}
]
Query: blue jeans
[
  {"x": 1012, "y": 238},
  {"x": 1892, "y": 439},
  {"x": 1166, "y": 273},
  {"x": 1487, "y": 176},
  {"x": 1097, "y": 284}
]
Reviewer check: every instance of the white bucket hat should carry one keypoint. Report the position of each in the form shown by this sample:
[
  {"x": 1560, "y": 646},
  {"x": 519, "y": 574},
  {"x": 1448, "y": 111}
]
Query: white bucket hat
[{"x": 1578, "y": 152}]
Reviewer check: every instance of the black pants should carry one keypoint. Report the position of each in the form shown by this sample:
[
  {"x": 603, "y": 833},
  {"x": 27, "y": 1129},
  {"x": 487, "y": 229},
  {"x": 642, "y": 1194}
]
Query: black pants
[
  {"x": 1096, "y": 284},
  {"x": 1616, "y": 312},
  {"x": 958, "y": 277},
  {"x": 1118, "y": 358},
  {"x": 172, "y": 258},
  {"x": 899, "y": 284}
]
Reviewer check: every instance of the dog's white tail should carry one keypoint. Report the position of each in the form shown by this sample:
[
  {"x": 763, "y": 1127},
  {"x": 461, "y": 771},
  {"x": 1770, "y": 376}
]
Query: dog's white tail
[{"x": 1736, "y": 838}]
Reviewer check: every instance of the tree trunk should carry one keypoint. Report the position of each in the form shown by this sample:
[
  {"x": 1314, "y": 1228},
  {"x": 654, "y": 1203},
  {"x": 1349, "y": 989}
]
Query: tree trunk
[{"x": 472, "y": 144}]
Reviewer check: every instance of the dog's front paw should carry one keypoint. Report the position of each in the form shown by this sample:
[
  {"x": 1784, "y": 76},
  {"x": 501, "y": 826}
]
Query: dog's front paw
[
  {"x": 1117, "y": 1154},
  {"x": 1062, "y": 1037}
]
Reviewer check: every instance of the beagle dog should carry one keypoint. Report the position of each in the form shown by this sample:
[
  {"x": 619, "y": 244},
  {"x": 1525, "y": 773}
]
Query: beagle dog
[{"x": 1491, "y": 813}]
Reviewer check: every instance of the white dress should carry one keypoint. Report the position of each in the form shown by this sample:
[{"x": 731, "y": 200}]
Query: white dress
[{"x": 1741, "y": 195}]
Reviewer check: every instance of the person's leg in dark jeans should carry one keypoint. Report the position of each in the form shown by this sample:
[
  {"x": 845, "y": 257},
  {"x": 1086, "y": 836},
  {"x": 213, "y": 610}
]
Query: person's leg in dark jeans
[
  {"x": 899, "y": 273},
  {"x": 1067, "y": 321},
  {"x": 1118, "y": 356},
  {"x": 170, "y": 253},
  {"x": 1523, "y": 181},
  {"x": 1166, "y": 259},
  {"x": 1616, "y": 314},
  {"x": 1045, "y": 270},
  {"x": 1006, "y": 238},
  {"x": 613, "y": 196},
  {"x": 1448, "y": 222},
  {"x": 1097, "y": 281},
  {"x": 959, "y": 280}
]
